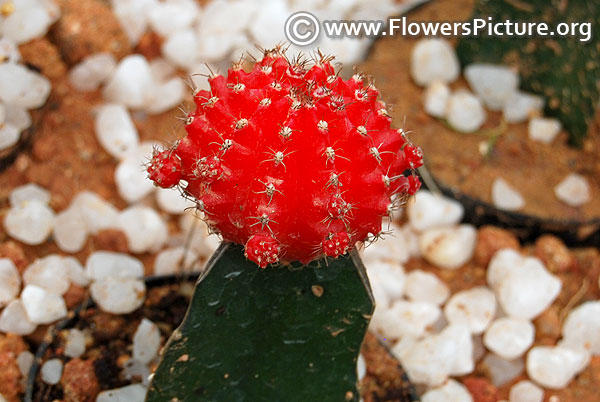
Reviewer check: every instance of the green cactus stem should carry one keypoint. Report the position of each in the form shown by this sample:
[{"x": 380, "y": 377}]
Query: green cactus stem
[
  {"x": 284, "y": 333},
  {"x": 563, "y": 69}
]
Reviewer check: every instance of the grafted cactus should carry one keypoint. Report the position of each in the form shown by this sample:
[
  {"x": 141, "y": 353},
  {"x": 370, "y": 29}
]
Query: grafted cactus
[{"x": 296, "y": 165}]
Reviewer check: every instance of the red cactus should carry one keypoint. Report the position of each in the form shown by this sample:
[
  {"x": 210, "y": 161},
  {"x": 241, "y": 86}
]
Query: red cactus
[
  {"x": 165, "y": 169},
  {"x": 293, "y": 162}
]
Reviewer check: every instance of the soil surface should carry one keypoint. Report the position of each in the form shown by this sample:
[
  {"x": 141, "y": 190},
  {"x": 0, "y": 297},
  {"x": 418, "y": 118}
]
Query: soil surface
[{"x": 454, "y": 159}]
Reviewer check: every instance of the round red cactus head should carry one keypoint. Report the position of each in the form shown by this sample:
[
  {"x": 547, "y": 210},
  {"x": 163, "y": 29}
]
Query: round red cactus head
[{"x": 291, "y": 160}]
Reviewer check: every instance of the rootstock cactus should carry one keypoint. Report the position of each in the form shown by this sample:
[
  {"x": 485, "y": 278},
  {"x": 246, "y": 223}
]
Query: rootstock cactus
[{"x": 290, "y": 160}]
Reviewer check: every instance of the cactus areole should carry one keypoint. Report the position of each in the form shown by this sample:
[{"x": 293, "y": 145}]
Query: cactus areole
[{"x": 290, "y": 160}]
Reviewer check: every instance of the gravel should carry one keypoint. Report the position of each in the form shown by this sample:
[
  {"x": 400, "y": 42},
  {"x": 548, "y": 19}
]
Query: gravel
[
  {"x": 494, "y": 84},
  {"x": 70, "y": 231},
  {"x": 436, "y": 97},
  {"x": 144, "y": 228},
  {"x": 406, "y": 319},
  {"x": 573, "y": 190},
  {"x": 506, "y": 197},
  {"x": 502, "y": 371},
  {"x": 49, "y": 273},
  {"x": 175, "y": 260},
  {"x": 102, "y": 265},
  {"x": 581, "y": 328},
  {"x": 520, "y": 106},
  {"x": 426, "y": 287},
  {"x": 10, "y": 281},
  {"x": 98, "y": 214},
  {"x": 118, "y": 295},
  {"x": 465, "y": 113},
  {"x": 171, "y": 201},
  {"x": 474, "y": 308},
  {"x": 146, "y": 341},
  {"x": 451, "y": 391},
  {"x": 448, "y": 247},
  {"x": 23, "y": 87},
  {"x": 51, "y": 371},
  {"x": 509, "y": 337},
  {"x": 555, "y": 367},
  {"x": 14, "y": 319},
  {"x": 544, "y": 129},
  {"x": 41, "y": 306},
  {"x": 92, "y": 71},
  {"x": 434, "y": 60},
  {"x": 29, "y": 20},
  {"x": 427, "y": 211},
  {"x": 75, "y": 343},
  {"x": 115, "y": 130},
  {"x": 28, "y": 192},
  {"x": 130, "y": 393},
  {"x": 131, "y": 177},
  {"x": 525, "y": 391}
]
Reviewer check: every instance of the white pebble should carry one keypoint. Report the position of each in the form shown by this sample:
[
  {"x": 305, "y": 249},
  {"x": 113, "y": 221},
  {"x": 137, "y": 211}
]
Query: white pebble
[
  {"x": 9, "y": 136},
  {"x": 118, "y": 295},
  {"x": 506, "y": 197},
  {"x": 92, "y": 71},
  {"x": 144, "y": 228},
  {"x": 494, "y": 84},
  {"x": 172, "y": 201},
  {"x": 509, "y": 337},
  {"x": 70, "y": 230},
  {"x": 501, "y": 370},
  {"x": 390, "y": 276},
  {"x": 474, "y": 308},
  {"x": 29, "y": 20},
  {"x": 10, "y": 281},
  {"x": 75, "y": 343},
  {"x": 554, "y": 367},
  {"x": 28, "y": 192},
  {"x": 448, "y": 247},
  {"x": 465, "y": 112},
  {"x": 433, "y": 60},
  {"x": 49, "y": 273},
  {"x": 181, "y": 48},
  {"x": 131, "y": 82},
  {"x": 430, "y": 361},
  {"x": 22, "y": 87},
  {"x": 75, "y": 271},
  {"x": 582, "y": 327},
  {"x": 131, "y": 177},
  {"x": 30, "y": 222},
  {"x": 133, "y": 368},
  {"x": 98, "y": 214},
  {"x": 523, "y": 285},
  {"x": 574, "y": 190},
  {"x": 525, "y": 391},
  {"x": 175, "y": 260},
  {"x": 437, "y": 95},
  {"x": 14, "y": 319},
  {"x": 390, "y": 249},
  {"x": 108, "y": 264},
  {"x": 9, "y": 51},
  {"x": 426, "y": 287},
  {"x": 169, "y": 17},
  {"x": 115, "y": 130},
  {"x": 42, "y": 307},
  {"x": 520, "y": 106},
  {"x": 146, "y": 341},
  {"x": 51, "y": 371},
  {"x": 361, "y": 367},
  {"x": 165, "y": 96},
  {"x": 18, "y": 117},
  {"x": 451, "y": 391},
  {"x": 25, "y": 361},
  {"x": 407, "y": 319},
  {"x": 133, "y": 16},
  {"x": 161, "y": 69},
  {"x": 544, "y": 129},
  {"x": 129, "y": 393},
  {"x": 428, "y": 211}
]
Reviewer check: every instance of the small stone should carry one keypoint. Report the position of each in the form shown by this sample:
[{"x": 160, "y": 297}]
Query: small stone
[
  {"x": 146, "y": 341},
  {"x": 426, "y": 287},
  {"x": 28, "y": 192},
  {"x": 494, "y": 84},
  {"x": 10, "y": 281},
  {"x": 25, "y": 361},
  {"x": 18, "y": 117},
  {"x": 574, "y": 190},
  {"x": 448, "y": 247},
  {"x": 13, "y": 319},
  {"x": 509, "y": 337},
  {"x": 465, "y": 112},
  {"x": 525, "y": 391},
  {"x": 582, "y": 327},
  {"x": 144, "y": 228},
  {"x": 98, "y": 214},
  {"x": 490, "y": 239},
  {"x": 431, "y": 360},
  {"x": 115, "y": 130},
  {"x": 169, "y": 17},
  {"x": 51, "y": 371},
  {"x": 407, "y": 319},
  {"x": 390, "y": 276},
  {"x": 133, "y": 17},
  {"x": 130, "y": 393},
  {"x": 133, "y": 369},
  {"x": 165, "y": 96},
  {"x": 174, "y": 260},
  {"x": 31, "y": 222},
  {"x": 522, "y": 284},
  {"x": 107, "y": 264},
  {"x": 161, "y": 69},
  {"x": 92, "y": 71},
  {"x": 520, "y": 106},
  {"x": 428, "y": 211},
  {"x": 118, "y": 295},
  {"x": 389, "y": 249},
  {"x": 437, "y": 95},
  {"x": 172, "y": 201},
  {"x": 9, "y": 51},
  {"x": 70, "y": 230},
  {"x": 48, "y": 273},
  {"x": 75, "y": 343},
  {"x": 474, "y": 308},
  {"x": 29, "y": 20},
  {"x": 506, "y": 197},
  {"x": 361, "y": 367},
  {"x": 555, "y": 367},
  {"x": 433, "y": 59},
  {"x": 544, "y": 129},
  {"x": 42, "y": 307},
  {"x": 131, "y": 177},
  {"x": 181, "y": 47},
  {"x": 9, "y": 136},
  {"x": 452, "y": 390},
  {"x": 502, "y": 371},
  {"x": 554, "y": 253},
  {"x": 22, "y": 87},
  {"x": 131, "y": 82}
]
